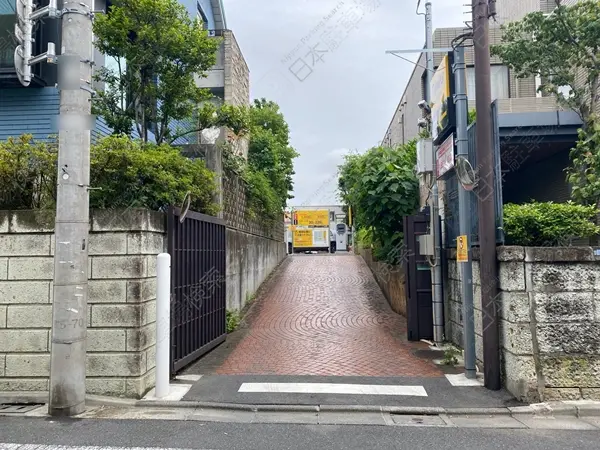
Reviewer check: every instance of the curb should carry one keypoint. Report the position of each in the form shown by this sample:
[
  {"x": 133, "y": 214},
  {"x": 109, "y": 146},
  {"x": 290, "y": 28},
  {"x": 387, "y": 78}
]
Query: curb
[
  {"x": 580, "y": 408},
  {"x": 589, "y": 409}
]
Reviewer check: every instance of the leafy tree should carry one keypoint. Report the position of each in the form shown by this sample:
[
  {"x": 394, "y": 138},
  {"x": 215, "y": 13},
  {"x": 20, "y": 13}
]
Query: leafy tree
[
  {"x": 159, "y": 50},
  {"x": 563, "y": 49},
  {"x": 269, "y": 150},
  {"x": 382, "y": 188}
]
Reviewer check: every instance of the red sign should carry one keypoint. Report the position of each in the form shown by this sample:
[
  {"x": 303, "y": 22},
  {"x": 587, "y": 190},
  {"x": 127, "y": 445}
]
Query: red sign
[{"x": 445, "y": 156}]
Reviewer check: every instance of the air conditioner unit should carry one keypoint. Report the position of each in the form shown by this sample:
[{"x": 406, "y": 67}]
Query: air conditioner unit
[{"x": 425, "y": 160}]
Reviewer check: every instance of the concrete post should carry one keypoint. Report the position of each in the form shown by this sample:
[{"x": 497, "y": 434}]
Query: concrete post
[{"x": 69, "y": 308}]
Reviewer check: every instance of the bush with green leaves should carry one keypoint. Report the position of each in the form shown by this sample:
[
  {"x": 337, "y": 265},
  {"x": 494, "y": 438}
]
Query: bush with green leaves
[
  {"x": 548, "y": 224},
  {"x": 153, "y": 176},
  {"x": 124, "y": 173},
  {"x": 382, "y": 187},
  {"x": 27, "y": 174}
]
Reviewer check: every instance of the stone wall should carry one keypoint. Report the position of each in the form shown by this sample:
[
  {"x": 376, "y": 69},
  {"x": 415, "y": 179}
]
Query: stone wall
[
  {"x": 253, "y": 248},
  {"x": 237, "y": 74},
  {"x": 390, "y": 279},
  {"x": 121, "y": 303},
  {"x": 237, "y": 85},
  {"x": 235, "y": 211},
  {"x": 549, "y": 310}
]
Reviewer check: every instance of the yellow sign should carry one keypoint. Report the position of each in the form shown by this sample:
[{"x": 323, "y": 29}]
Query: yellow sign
[
  {"x": 303, "y": 238},
  {"x": 462, "y": 249},
  {"x": 318, "y": 218}
]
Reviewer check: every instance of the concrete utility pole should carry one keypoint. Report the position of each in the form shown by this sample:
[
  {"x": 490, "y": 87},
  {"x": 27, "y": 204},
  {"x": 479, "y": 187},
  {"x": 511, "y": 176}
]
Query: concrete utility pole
[
  {"x": 485, "y": 195},
  {"x": 464, "y": 211},
  {"x": 69, "y": 307},
  {"x": 436, "y": 274}
]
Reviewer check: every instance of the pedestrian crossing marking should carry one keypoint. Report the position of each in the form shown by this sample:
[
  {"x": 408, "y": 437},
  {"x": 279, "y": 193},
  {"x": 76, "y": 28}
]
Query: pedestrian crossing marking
[{"x": 332, "y": 388}]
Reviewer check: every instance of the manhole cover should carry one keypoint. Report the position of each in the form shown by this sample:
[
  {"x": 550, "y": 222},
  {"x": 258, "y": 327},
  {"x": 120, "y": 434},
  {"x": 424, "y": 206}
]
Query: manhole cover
[{"x": 18, "y": 408}]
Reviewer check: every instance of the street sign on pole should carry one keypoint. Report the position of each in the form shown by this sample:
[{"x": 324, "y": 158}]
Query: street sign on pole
[{"x": 462, "y": 249}]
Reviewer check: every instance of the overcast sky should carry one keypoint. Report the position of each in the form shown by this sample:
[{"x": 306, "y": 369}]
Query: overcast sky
[{"x": 342, "y": 99}]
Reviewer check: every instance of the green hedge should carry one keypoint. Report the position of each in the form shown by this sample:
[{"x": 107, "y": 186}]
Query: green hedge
[
  {"x": 548, "y": 224},
  {"x": 123, "y": 173}
]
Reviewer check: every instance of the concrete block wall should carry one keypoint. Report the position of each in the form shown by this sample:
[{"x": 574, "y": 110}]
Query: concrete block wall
[
  {"x": 549, "y": 310},
  {"x": 250, "y": 260},
  {"x": 121, "y": 303},
  {"x": 391, "y": 280}
]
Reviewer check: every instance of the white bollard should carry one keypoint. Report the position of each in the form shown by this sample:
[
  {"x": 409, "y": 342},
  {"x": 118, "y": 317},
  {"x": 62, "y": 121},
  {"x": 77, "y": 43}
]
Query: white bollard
[{"x": 163, "y": 324}]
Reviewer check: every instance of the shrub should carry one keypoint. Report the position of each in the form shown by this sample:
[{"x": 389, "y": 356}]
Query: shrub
[
  {"x": 233, "y": 319},
  {"x": 548, "y": 224},
  {"x": 123, "y": 173},
  {"x": 27, "y": 174},
  {"x": 132, "y": 174}
]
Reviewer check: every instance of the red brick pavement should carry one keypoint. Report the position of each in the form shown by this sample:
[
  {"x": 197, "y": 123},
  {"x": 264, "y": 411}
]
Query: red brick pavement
[{"x": 325, "y": 315}]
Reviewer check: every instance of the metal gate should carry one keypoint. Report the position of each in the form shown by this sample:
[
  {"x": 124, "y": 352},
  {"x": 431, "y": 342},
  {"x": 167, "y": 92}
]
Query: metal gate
[
  {"x": 419, "y": 307},
  {"x": 196, "y": 243}
]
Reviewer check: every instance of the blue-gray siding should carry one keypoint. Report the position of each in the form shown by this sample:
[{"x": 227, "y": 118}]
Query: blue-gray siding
[
  {"x": 28, "y": 111},
  {"x": 34, "y": 111}
]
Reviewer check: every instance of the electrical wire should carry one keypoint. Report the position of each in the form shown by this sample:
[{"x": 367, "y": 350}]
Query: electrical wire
[{"x": 418, "y": 13}]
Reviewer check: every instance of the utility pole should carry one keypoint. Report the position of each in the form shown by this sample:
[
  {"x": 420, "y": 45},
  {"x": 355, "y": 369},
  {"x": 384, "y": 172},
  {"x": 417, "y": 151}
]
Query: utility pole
[
  {"x": 69, "y": 307},
  {"x": 436, "y": 274},
  {"x": 464, "y": 211},
  {"x": 486, "y": 207}
]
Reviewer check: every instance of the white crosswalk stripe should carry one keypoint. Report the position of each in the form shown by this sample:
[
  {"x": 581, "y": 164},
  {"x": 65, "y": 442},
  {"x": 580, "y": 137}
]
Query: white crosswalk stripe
[
  {"x": 332, "y": 388},
  {"x": 10, "y": 446}
]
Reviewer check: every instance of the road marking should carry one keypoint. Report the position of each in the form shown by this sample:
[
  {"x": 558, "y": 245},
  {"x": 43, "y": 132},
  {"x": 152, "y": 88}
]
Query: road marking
[
  {"x": 461, "y": 380},
  {"x": 333, "y": 388},
  {"x": 5, "y": 446}
]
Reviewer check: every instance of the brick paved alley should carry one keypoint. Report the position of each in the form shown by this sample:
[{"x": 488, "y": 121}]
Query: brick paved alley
[{"x": 325, "y": 315}]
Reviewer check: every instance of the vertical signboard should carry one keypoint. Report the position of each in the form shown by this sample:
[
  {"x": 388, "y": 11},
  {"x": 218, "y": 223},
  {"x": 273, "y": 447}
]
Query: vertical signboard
[
  {"x": 462, "y": 249},
  {"x": 445, "y": 156},
  {"x": 440, "y": 92}
]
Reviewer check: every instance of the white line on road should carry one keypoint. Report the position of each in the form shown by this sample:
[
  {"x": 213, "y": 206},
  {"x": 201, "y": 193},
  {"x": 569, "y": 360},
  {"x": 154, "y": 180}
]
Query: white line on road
[
  {"x": 4, "y": 446},
  {"x": 461, "y": 380},
  {"x": 333, "y": 388}
]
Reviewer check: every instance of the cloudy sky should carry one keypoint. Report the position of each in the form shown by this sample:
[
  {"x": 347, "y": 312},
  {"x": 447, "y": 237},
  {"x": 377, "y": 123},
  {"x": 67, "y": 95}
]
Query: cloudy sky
[{"x": 339, "y": 100}]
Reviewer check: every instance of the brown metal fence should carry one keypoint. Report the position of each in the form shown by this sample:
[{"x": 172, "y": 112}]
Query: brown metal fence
[{"x": 196, "y": 243}]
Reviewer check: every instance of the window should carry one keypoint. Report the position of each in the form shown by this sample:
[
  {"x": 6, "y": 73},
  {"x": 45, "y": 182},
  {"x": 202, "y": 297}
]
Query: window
[{"x": 498, "y": 78}]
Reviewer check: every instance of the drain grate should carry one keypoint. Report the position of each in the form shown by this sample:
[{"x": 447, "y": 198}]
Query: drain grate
[{"x": 18, "y": 408}]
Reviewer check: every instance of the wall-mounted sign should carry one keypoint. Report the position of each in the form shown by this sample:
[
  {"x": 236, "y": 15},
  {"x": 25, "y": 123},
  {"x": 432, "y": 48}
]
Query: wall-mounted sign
[
  {"x": 317, "y": 218},
  {"x": 440, "y": 92},
  {"x": 303, "y": 238},
  {"x": 445, "y": 156}
]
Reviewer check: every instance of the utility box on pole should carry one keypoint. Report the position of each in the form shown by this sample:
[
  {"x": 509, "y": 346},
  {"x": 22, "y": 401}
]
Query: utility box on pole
[{"x": 424, "y": 156}]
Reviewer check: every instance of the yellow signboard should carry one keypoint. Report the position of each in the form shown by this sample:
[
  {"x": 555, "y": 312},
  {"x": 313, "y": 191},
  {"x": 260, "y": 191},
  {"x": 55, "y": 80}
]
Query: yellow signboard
[
  {"x": 462, "y": 249},
  {"x": 318, "y": 218},
  {"x": 303, "y": 238}
]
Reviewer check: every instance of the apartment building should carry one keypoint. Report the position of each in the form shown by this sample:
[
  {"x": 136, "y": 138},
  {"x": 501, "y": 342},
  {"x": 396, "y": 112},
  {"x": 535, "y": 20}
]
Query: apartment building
[
  {"x": 513, "y": 95},
  {"x": 34, "y": 109},
  {"x": 535, "y": 134}
]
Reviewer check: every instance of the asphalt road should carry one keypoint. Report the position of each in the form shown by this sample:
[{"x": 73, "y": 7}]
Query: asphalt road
[
  {"x": 198, "y": 435},
  {"x": 440, "y": 393}
]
